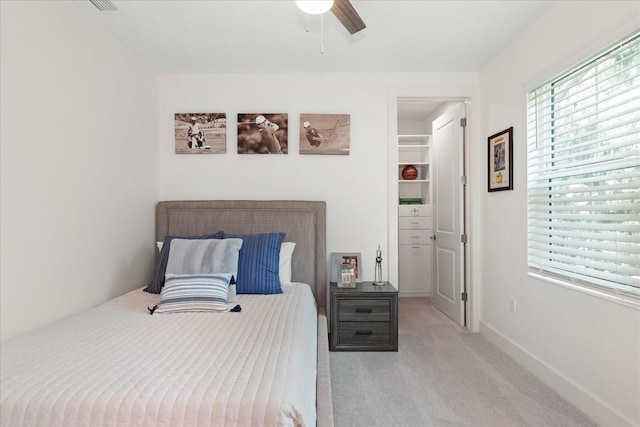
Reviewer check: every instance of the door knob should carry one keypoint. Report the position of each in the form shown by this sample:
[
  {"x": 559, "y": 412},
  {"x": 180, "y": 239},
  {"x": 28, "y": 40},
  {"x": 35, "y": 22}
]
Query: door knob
[{"x": 432, "y": 237}]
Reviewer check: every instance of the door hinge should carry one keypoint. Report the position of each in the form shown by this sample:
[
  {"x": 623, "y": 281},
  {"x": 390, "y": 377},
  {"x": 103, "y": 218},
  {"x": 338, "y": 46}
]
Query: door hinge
[
  {"x": 463, "y": 238},
  {"x": 464, "y": 296},
  {"x": 463, "y": 180},
  {"x": 463, "y": 122}
]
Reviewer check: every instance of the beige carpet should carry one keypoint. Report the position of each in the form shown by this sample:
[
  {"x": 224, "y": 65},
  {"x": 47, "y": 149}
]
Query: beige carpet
[{"x": 441, "y": 376}]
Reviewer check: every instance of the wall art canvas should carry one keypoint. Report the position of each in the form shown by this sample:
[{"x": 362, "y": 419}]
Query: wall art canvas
[
  {"x": 200, "y": 133},
  {"x": 325, "y": 133},
  {"x": 262, "y": 133}
]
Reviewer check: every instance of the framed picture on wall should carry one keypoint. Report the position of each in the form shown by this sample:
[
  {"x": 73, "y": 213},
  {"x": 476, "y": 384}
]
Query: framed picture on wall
[
  {"x": 325, "y": 133},
  {"x": 353, "y": 258},
  {"x": 200, "y": 133},
  {"x": 261, "y": 133},
  {"x": 500, "y": 157}
]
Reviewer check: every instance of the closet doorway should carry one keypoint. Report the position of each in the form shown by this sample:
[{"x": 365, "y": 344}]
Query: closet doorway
[{"x": 428, "y": 207}]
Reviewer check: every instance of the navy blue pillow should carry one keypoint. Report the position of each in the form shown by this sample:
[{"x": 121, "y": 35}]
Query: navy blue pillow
[
  {"x": 157, "y": 281},
  {"x": 259, "y": 263}
]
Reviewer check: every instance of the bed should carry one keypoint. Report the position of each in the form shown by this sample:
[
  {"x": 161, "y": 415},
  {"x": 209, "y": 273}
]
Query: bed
[{"x": 263, "y": 362}]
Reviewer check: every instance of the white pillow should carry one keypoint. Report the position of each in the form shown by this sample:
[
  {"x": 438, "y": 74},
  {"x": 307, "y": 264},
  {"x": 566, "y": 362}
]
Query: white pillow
[
  {"x": 204, "y": 256},
  {"x": 286, "y": 253}
]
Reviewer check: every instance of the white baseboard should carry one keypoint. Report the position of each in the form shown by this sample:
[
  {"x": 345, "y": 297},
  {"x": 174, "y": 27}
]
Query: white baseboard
[
  {"x": 597, "y": 410},
  {"x": 414, "y": 294}
]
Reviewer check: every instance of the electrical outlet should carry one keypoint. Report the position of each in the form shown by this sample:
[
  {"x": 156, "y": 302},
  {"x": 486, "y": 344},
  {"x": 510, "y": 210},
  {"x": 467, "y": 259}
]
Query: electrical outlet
[{"x": 512, "y": 304}]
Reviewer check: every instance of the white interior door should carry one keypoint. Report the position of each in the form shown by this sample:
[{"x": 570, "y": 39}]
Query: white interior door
[{"x": 448, "y": 261}]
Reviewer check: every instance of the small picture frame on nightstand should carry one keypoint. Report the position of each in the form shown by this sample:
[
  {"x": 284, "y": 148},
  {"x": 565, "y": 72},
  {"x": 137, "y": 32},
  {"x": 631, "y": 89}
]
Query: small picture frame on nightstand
[
  {"x": 353, "y": 258},
  {"x": 346, "y": 276}
]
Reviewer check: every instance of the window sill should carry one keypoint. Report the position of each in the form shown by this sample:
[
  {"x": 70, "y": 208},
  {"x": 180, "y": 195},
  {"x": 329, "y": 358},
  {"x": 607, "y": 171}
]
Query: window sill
[{"x": 622, "y": 298}]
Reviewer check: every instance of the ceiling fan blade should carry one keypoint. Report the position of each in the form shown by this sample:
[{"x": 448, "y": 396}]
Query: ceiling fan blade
[{"x": 347, "y": 15}]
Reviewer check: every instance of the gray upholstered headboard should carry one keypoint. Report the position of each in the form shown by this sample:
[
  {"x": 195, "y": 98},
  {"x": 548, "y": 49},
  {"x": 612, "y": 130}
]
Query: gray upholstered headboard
[{"x": 302, "y": 221}]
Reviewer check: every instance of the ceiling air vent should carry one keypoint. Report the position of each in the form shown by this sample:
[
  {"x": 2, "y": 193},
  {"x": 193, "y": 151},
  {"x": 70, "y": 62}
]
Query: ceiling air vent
[{"x": 105, "y": 5}]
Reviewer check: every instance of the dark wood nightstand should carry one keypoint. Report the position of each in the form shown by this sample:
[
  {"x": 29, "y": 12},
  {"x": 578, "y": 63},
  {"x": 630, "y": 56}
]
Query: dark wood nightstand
[{"x": 364, "y": 318}]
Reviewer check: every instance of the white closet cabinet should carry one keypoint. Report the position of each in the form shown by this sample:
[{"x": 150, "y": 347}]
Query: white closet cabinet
[{"x": 415, "y": 250}]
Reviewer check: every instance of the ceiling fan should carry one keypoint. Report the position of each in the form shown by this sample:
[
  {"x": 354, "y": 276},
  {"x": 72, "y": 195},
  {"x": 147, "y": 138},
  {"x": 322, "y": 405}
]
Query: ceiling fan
[
  {"x": 347, "y": 15},
  {"x": 342, "y": 9}
]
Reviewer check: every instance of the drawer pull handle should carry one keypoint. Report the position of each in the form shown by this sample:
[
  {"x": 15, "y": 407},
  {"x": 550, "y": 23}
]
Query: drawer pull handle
[
  {"x": 364, "y": 332},
  {"x": 364, "y": 310}
]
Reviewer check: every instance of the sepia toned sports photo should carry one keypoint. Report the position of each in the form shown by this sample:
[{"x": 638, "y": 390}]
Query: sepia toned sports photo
[
  {"x": 325, "y": 133},
  {"x": 200, "y": 133},
  {"x": 260, "y": 133}
]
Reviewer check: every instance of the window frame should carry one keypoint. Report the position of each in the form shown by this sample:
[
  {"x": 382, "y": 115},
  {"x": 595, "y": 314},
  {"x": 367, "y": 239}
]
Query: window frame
[{"x": 623, "y": 294}]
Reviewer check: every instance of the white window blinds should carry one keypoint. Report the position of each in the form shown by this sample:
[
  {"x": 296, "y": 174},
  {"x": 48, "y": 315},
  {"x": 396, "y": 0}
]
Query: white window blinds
[{"x": 583, "y": 138}]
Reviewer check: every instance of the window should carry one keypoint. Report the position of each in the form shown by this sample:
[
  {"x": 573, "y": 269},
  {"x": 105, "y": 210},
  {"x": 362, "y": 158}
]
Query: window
[{"x": 583, "y": 140}]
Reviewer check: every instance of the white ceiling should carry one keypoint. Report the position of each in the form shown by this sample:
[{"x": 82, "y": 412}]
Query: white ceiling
[{"x": 269, "y": 36}]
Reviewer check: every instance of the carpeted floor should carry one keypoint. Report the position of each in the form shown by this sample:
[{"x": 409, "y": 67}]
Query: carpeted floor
[{"x": 442, "y": 375}]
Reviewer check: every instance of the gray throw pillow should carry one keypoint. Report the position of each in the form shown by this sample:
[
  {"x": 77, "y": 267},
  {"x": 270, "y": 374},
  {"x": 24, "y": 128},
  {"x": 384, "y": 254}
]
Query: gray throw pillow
[{"x": 204, "y": 256}]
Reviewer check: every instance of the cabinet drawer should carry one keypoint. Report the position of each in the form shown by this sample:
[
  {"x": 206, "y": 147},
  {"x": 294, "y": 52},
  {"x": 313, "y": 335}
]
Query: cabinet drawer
[
  {"x": 364, "y": 333},
  {"x": 414, "y": 237},
  {"x": 364, "y": 310},
  {"x": 416, "y": 255},
  {"x": 414, "y": 210},
  {"x": 414, "y": 269},
  {"x": 414, "y": 223}
]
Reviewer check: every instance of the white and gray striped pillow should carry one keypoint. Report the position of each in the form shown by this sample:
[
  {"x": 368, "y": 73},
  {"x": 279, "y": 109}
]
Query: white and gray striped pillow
[{"x": 194, "y": 292}]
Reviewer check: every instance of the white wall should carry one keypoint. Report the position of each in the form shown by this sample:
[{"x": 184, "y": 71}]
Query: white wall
[
  {"x": 587, "y": 348},
  {"x": 79, "y": 165},
  {"x": 355, "y": 186},
  {"x": 413, "y": 127}
]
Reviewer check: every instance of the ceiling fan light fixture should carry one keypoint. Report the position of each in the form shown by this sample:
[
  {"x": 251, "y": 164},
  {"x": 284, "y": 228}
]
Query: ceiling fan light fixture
[{"x": 314, "y": 7}]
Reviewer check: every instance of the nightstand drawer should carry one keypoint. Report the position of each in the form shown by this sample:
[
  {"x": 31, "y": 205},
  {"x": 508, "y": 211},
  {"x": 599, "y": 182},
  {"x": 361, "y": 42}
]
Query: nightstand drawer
[
  {"x": 364, "y": 333},
  {"x": 364, "y": 310}
]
